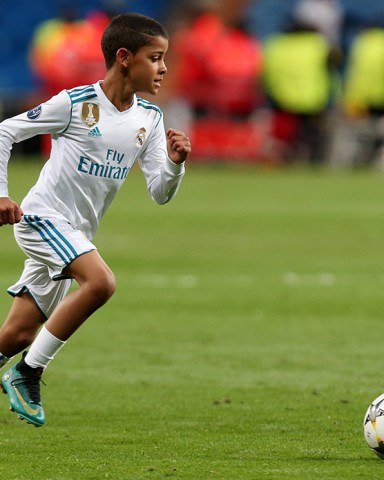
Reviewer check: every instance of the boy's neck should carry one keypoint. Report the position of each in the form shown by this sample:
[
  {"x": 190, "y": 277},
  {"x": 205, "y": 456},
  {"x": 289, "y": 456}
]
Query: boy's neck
[{"x": 118, "y": 92}]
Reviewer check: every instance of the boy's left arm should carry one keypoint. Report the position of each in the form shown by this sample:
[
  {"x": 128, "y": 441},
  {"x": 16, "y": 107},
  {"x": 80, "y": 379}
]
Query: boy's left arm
[{"x": 163, "y": 162}]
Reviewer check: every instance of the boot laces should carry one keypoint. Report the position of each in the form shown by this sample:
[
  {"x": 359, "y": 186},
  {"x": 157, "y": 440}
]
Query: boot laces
[{"x": 31, "y": 381}]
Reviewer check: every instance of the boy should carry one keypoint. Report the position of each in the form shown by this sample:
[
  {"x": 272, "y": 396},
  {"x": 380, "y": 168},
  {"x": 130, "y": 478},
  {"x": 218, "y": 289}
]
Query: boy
[{"x": 98, "y": 132}]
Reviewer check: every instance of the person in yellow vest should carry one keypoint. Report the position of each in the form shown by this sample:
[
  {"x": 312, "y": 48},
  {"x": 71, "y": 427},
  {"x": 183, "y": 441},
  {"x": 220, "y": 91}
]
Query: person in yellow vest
[
  {"x": 363, "y": 99},
  {"x": 364, "y": 85},
  {"x": 299, "y": 83}
]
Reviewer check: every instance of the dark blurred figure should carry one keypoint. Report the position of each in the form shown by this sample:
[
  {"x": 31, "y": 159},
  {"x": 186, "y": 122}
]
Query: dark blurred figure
[{"x": 300, "y": 73}]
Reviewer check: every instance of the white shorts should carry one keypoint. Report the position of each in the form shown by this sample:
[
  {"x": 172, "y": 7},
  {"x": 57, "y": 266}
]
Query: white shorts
[{"x": 51, "y": 243}]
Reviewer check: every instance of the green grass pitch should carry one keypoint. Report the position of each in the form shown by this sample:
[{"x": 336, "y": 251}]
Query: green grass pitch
[{"x": 244, "y": 340}]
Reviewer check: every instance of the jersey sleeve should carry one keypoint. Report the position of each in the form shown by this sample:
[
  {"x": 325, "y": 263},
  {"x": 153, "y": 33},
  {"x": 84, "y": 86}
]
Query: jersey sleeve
[
  {"x": 163, "y": 176},
  {"x": 50, "y": 117}
]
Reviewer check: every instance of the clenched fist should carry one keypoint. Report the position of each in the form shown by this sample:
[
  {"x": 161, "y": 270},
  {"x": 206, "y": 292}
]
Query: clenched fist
[
  {"x": 10, "y": 212},
  {"x": 178, "y": 145}
]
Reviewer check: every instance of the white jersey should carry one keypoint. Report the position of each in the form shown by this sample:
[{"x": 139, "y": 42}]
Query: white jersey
[{"x": 94, "y": 146}]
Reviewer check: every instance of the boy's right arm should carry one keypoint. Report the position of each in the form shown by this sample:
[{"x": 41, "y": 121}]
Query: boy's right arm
[
  {"x": 49, "y": 117},
  {"x": 10, "y": 212}
]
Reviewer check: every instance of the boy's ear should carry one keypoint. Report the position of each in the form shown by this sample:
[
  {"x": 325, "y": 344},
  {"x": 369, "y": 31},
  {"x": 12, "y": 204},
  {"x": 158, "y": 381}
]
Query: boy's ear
[{"x": 123, "y": 57}]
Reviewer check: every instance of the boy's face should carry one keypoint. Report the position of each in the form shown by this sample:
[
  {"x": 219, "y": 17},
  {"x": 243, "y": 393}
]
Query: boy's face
[{"x": 147, "y": 67}]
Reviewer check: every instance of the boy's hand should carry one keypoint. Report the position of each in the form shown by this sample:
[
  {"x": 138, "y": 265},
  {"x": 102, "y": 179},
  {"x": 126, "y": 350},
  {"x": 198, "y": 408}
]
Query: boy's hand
[
  {"x": 178, "y": 145},
  {"x": 10, "y": 212}
]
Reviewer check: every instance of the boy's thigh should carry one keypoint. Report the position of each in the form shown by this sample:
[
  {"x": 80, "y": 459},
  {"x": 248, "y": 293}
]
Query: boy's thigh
[
  {"x": 51, "y": 244},
  {"x": 37, "y": 282},
  {"x": 90, "y": 266}
]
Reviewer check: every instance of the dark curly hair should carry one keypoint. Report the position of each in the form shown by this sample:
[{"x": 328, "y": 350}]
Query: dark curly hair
[{"x": 131, "y": 31}]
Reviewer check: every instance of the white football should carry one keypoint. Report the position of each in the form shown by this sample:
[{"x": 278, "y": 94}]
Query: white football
[{"x": 374, "y": 426}]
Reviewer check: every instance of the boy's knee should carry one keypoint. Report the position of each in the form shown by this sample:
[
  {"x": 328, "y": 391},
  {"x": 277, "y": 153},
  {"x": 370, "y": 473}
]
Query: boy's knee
[
  {"x": 109, "y": 284},
  {"x": 104, "y": 286},
  {"x": 25, "y": 338},
  {"x": 21, "y": 336}
]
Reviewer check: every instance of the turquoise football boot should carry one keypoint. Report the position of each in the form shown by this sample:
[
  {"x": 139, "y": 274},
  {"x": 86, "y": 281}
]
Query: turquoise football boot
[{"x": 23, "y": 390}]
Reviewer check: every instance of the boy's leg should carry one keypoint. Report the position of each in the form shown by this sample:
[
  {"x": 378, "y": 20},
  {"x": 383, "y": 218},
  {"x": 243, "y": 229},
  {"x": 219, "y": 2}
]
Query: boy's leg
[
  {"x": 35, "y": 296},
  {"x": 22, "y": 382},
  {"x": 18, "y": 332},
  {"x": 56, "y": 250},
  {"x": 96, "y": 285},
  {"x": 20, "y": 326}
]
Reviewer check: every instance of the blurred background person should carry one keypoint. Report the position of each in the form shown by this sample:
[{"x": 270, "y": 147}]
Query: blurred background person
[
  {"x": 363, "y": 101},
  {"x": 219, "y": 64},
  {"x": 65, "y": 51},
  {"x": 300, "y": 75},
  {"x": 216, "y": 85}
]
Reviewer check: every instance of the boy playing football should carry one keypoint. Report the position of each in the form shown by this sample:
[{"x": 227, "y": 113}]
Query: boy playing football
[{"x": 98, "y": 132}]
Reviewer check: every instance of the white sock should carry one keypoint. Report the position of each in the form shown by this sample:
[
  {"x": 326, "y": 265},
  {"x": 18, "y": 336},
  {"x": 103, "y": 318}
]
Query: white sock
[{"x": 43, "y": 349}]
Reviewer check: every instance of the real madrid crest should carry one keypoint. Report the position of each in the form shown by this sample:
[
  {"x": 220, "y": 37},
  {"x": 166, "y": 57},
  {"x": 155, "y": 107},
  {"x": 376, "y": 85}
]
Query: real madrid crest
[
  {"x": 141, "y": 136},
  {"x": 90, "y": 114}
]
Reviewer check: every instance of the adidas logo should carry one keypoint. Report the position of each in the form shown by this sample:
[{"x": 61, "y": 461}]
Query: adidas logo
[{"x": 95, "y": 132}]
